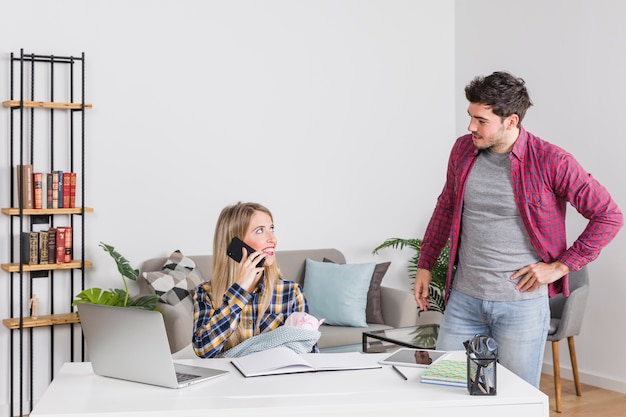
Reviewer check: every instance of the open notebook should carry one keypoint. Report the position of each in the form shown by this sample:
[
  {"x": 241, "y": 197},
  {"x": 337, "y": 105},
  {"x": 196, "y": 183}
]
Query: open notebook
[
  {"x": 131, "y": 344},
  {"x": 282, "y": 360}
]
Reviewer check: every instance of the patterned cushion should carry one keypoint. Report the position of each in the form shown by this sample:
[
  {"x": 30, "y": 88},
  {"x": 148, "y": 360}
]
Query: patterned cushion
[{"x": 176, "y": 282}]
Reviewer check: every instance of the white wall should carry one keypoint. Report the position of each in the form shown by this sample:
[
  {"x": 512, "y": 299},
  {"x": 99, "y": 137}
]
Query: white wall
[
  {"x": 569, "y": 53},
  {"x": 336, "y": 114}
]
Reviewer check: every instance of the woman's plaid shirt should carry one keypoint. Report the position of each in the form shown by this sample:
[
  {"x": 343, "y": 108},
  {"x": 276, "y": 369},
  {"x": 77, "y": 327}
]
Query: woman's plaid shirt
[{"x": 215, "y": 323}]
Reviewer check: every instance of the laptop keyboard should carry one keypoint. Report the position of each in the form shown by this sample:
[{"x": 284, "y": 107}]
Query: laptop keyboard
[{"x": 182, "y": 377}]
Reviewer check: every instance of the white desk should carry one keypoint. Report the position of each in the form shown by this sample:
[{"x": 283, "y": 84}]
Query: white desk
[{"x": 77, "y": 391}]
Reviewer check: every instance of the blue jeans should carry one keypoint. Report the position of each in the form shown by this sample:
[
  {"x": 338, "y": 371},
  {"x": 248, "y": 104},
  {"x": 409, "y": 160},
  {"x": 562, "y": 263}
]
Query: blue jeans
[{"x": 519, "y": 327}]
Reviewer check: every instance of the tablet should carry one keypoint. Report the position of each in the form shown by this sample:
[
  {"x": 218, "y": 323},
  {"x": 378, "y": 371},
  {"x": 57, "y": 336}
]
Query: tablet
[{"x": 419, "y": 358}]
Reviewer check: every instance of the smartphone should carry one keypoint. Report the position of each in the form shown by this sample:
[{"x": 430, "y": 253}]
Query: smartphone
[{"x": 235, "y": 252}]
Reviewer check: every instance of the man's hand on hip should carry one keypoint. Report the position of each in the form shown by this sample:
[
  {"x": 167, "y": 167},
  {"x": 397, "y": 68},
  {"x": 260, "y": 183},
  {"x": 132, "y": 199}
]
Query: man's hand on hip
[{"x": 534, "y": 275}]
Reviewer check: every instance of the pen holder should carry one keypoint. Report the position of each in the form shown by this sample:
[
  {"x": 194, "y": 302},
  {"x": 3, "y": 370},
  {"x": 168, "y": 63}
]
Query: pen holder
[{"x": 481, "y": 375}]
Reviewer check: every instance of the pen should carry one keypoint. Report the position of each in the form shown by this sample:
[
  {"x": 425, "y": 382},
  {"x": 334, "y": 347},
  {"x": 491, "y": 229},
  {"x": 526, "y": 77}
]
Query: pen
[{"x": 399, "y": 372}]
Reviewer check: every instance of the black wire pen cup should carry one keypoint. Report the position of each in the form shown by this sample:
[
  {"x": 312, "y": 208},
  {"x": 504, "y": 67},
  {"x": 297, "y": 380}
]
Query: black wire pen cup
[{"x": 482, "y": 359}]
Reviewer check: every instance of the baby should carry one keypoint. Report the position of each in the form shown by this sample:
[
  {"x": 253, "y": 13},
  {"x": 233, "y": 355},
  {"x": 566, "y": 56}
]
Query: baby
[{"x": 303, "y": 321}]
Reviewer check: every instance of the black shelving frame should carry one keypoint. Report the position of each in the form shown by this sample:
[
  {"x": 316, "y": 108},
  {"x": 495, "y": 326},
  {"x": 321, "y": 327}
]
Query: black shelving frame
[{"x": 22, "y": 281}]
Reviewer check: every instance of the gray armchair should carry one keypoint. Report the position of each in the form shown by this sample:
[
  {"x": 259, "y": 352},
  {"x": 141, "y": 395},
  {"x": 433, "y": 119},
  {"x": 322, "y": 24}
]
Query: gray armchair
[{"x": 566, "y": 316}]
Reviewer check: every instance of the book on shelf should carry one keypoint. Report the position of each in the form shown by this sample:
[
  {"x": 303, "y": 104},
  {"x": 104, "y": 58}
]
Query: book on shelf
[
  {"x": 49, "y": 189},
  {"x": 44, "y": 190},
  {"x": 25, "y": 188},
  {"x": 55, "y": 189},
  {"x": 40, "y": 247},
  {"x": 67, "y": 257},
  {"x": 60, "y": 189},
  {"x": 446, "y": 372},
  {"x": 52, "y": 245},
  {"x": 72, "y": 189},
  {"x": 43, "y": 247},
  {"x": 37, "y": 184},
  {"x": 67, "y": 180},
  {"x": 25, "y": 248},
  {"x": 33, "y": 248},
  {"x": 283, "y": 360},
  {"x": 60, "y": 245}
]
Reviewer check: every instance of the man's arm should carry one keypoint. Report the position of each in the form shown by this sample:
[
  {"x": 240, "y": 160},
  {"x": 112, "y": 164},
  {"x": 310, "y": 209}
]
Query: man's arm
[
  {"x": 532, "y": 276},
  {"x": 420, "y": 288},
  {"x": 593, "y": 202}
]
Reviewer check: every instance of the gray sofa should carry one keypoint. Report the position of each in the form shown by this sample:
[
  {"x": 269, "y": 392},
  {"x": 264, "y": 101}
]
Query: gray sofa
[{"x": 398, "y": 306}]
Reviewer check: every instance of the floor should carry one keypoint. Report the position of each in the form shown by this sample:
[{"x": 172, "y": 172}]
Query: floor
[{"x": 594, "y": 402}]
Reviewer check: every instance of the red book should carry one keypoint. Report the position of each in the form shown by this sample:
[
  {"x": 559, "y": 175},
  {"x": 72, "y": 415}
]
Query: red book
[
  {"x": 44, "y": 190},
  {"x": 60, "y": 244},
  {"x": 73, "y": 189},
  {"x": 38, "y": 184},
  {"x": 55, "y": 190},
  {"x": 67, "y": 179},
  {"x": 68, "y": 245}
]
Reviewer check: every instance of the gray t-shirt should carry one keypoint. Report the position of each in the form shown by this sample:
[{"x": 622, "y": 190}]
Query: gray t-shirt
[{"x": 494, "y": 243}]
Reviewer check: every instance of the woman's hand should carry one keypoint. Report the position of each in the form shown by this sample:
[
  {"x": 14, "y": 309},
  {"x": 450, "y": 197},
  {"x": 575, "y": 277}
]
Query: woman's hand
[{"x": 248, "y": 274}]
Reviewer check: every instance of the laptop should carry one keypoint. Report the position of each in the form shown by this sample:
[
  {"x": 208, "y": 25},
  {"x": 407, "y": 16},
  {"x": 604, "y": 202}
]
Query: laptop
[{"x": 131, "y": 344}]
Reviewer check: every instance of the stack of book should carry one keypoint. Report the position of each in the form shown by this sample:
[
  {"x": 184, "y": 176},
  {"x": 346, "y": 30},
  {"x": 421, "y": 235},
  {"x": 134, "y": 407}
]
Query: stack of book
[
  {"x": 446, "y": 372},
  {"x": 41, "y": 190},
  {"x": 47, "y": 246}
]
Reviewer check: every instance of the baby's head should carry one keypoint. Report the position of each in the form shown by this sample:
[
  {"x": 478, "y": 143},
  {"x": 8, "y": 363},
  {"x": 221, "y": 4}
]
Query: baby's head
[{"x": 303, "y": 321}]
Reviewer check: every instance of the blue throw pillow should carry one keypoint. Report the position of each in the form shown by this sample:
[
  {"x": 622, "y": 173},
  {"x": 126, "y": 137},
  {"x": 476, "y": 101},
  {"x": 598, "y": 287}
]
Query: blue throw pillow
[{"x": 338, "y": 292}]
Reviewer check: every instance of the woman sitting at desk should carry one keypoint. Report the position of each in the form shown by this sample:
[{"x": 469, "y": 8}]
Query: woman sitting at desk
[{"x": 243, "y": 299}]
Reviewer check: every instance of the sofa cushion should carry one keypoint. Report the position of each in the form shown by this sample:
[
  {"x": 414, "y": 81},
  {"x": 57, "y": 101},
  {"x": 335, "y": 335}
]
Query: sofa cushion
[
  {"x": 373, "y": 310},
  {"x": 176, "y": 282},
  {"x": 338, "y": 292}
]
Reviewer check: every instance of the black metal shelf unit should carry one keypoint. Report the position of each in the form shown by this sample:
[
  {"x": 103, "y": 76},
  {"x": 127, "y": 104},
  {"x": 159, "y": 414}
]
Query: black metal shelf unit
[{"x": 45, "y": 90}]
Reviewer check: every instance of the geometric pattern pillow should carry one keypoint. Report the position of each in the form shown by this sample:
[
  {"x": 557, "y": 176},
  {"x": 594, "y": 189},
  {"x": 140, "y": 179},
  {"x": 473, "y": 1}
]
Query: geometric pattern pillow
[{"x": 176, "y": 282}]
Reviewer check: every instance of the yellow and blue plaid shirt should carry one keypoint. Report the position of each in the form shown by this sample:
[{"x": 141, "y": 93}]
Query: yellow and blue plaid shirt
[{"x": 215, "y": 323}]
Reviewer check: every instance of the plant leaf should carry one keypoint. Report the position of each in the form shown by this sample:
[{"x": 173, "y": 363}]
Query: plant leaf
[
  {"x": 147, "y": 302},
  {"x": 97, "y": 296},
  {"x": 123, "y": 265},
  {"x": 117, "y": 296},
  {"x": 437, "y": 287},
  {"x": 398, "y": 243}
]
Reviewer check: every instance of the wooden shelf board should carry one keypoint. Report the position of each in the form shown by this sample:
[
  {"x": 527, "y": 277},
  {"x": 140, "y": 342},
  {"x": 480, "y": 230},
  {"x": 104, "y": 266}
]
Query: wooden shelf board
[
  {"x": 38, "y": 212},
  {"x": 75, "y": 264},
  {"x": 45, "y": 105},
  {"x": 39, "y": 321}
]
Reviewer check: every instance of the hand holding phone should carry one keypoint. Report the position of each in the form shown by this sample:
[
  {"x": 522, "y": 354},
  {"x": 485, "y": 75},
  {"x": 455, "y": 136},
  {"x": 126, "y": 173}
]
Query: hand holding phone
[{"x": 235, "y": 250}]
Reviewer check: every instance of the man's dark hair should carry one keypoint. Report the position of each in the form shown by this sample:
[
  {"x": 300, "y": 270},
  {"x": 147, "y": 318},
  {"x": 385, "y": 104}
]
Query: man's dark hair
[{"x": 503, "y": 92}]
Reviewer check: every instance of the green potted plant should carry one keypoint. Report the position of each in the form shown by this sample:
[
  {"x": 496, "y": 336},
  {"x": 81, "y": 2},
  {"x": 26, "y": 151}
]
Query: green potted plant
[
  {"x": 437, "y": 287},
  {"x": 117, "y": 297}
]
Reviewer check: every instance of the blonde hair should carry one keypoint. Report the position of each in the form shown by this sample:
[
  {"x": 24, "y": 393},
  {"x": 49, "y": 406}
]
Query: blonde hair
[{"x": 234, "y": 221}]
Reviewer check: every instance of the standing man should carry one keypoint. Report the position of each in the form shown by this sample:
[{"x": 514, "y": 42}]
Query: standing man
[{"x": 503, "y": 209}]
